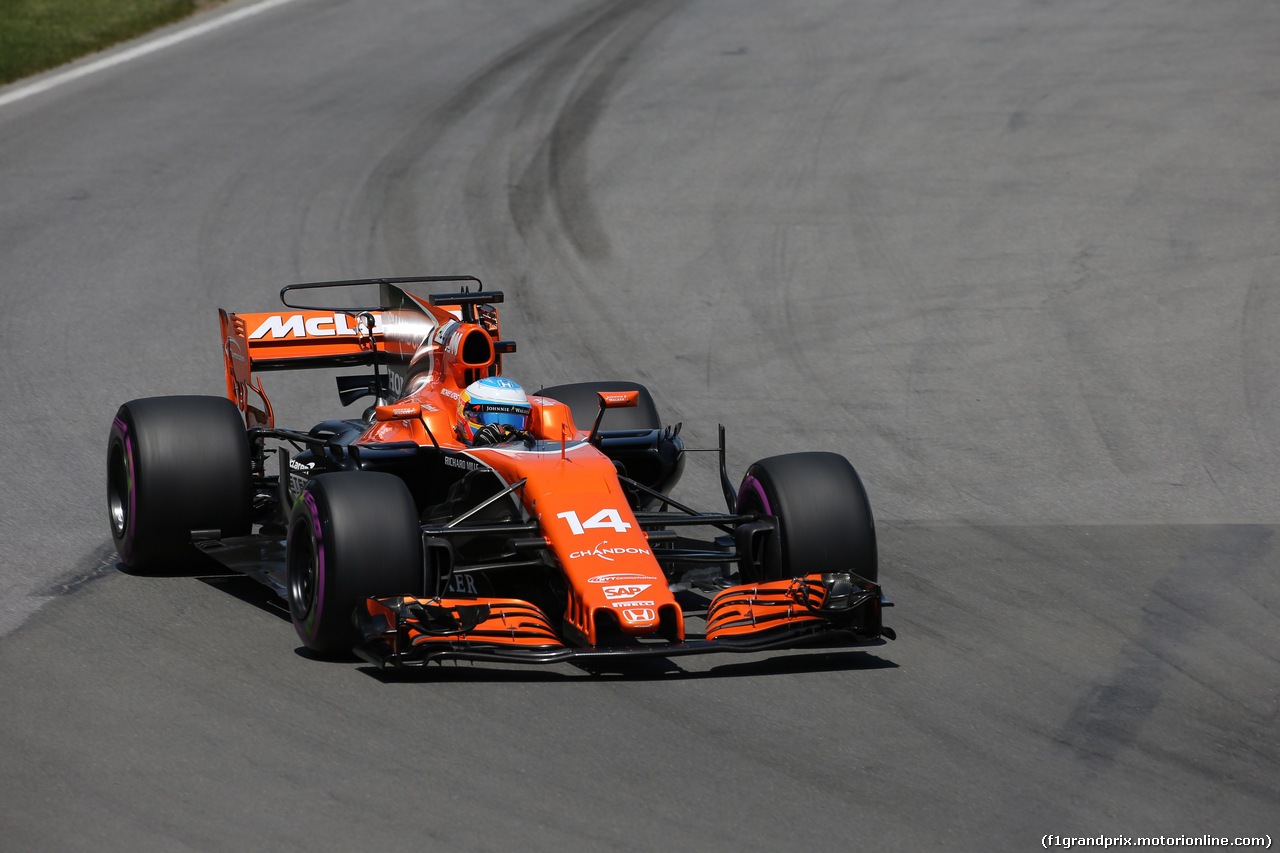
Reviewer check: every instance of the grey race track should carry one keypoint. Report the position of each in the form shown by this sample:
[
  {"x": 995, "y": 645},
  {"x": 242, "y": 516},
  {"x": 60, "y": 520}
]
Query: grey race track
[{"x": 1017, "y": 260}]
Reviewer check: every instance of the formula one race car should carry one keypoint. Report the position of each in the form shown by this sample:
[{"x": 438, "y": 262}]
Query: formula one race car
[{"x": 459, "y": 518}]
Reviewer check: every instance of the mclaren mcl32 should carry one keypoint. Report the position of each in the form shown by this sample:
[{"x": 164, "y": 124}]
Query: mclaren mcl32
[{"x": 401, "y": 536}]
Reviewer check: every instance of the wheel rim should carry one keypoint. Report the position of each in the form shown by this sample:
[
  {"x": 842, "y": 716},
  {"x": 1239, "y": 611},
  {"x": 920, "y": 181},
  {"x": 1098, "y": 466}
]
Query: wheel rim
[
  {"x": 119, "y": 491},
  {"x": 753, "y": 498},
  {"x": 302, "y": 569}
]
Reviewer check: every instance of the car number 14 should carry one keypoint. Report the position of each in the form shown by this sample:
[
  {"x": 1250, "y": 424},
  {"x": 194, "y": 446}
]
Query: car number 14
[{"x": 607, "y": 519}]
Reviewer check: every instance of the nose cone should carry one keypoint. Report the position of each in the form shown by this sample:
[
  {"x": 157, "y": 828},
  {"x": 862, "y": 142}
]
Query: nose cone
[{"x": 583, "y": 513}]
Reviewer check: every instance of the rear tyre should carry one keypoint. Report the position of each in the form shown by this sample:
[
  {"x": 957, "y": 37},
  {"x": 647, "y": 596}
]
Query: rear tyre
[
  {"x": 354, "y": 535},
  {"x": 824, "y": 517},
  {"x": 584, "y": 402},
  {"x": 174, "y": 465}
]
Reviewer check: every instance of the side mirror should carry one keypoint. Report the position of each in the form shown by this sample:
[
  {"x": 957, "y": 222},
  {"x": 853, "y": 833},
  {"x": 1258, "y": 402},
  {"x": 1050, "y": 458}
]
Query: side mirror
[
  {"x": 398, "y": 412},
  {"x": 618, "y": 399},
  {"x": 612, "y": 400}
]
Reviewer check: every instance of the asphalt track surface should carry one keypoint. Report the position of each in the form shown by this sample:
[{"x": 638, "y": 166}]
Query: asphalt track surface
[{"x": 1017, "y": 260}]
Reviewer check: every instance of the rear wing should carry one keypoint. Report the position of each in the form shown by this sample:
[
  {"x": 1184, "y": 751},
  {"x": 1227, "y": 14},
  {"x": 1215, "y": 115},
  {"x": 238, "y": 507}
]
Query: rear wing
[
  {"x": 362, "y": 322},
  {"x": 300, "y": 339},
  {"x": 290, "y": 340}
]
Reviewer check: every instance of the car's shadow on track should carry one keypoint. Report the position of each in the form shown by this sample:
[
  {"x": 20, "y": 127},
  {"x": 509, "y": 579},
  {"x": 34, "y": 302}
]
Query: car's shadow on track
[
  {"x": 206, "y": 570},
  {"x": 249, "y": 591},
  {"x": 650, "y": 669}
]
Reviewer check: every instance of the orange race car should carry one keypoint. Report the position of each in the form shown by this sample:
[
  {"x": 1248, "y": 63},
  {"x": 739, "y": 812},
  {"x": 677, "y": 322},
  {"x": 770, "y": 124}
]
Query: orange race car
[{"x": 461, "y": 518}]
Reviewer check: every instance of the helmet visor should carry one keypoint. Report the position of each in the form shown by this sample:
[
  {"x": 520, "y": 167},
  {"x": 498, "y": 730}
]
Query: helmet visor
[{"x": 482, "y": 414}]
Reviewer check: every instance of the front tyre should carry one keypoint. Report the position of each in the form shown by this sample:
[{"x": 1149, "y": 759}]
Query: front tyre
[
  {"x": 823, "y": 515},
  {"x": 174, "y": 465},
  {"x": 354, "y": 535}
]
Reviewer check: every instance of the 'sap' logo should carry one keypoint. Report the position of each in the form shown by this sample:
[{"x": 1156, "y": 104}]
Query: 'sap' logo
[{"x": 625, "y": 590}]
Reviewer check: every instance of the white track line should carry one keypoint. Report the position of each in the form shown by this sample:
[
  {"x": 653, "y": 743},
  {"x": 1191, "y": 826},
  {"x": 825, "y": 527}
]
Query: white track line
[{"x": 130, "y": 54}]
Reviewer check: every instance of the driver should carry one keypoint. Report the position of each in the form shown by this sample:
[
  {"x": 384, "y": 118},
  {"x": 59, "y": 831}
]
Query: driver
[{"x": 493, "y": 410}]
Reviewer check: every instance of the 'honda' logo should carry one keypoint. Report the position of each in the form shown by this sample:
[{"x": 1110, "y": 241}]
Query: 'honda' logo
[{"x": 643, "y": 614}]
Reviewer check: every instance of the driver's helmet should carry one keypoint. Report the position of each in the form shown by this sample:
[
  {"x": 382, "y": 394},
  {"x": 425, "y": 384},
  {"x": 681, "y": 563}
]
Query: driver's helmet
[{"x": 492, "y": 400}]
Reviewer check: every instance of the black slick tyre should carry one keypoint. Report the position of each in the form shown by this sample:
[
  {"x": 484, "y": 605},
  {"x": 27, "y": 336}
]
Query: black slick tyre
[
  {"x": 583, "y": 400},
  {"x": 353, "y": 535},
  {"x": 174, "y": 465},
  {"x": 824, "y": 517}
]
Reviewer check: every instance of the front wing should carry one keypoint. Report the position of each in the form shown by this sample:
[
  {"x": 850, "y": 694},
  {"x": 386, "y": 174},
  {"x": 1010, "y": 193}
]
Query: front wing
[{"x": 410, "y": 632}]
